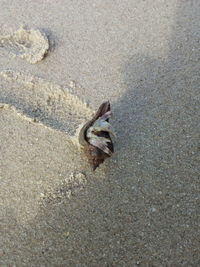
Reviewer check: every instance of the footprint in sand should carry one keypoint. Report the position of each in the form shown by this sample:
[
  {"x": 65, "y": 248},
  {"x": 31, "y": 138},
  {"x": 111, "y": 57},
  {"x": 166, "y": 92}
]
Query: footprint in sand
[
  {"x": 31, "y": 45},
  {"x": 39, "y": 152}
]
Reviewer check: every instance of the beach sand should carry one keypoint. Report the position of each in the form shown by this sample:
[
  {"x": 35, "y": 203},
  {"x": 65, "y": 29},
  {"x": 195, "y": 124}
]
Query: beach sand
[{"x": 59, "y": 61}]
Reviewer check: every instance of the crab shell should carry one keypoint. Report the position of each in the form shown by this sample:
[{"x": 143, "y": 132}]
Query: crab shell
[{"x": 95, "y": 155}]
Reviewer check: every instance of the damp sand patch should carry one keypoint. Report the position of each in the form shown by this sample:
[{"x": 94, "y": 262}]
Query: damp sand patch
[
  {"x": 51, "y": 104},
  {"x": 31, "y": 45}
]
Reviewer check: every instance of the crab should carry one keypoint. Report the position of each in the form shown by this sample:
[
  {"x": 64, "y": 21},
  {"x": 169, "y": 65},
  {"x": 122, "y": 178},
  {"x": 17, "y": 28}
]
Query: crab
[{"x": 95, "y": 136}]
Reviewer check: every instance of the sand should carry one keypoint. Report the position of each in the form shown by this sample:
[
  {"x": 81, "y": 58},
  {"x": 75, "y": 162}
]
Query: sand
[
  {"x": 31, "y": 45},
  {"x": 59, "y": 61}
]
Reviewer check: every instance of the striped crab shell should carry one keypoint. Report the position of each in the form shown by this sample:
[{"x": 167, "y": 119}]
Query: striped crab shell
[{"x": 95, "y": 136}]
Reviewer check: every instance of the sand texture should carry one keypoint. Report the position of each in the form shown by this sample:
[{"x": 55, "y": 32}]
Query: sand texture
[
  {"x": 31, "y": 45},
  {"x": 20, "y": 158},
  {"x": 141, "y": 207},
  {"x": 44, "y": 101}
]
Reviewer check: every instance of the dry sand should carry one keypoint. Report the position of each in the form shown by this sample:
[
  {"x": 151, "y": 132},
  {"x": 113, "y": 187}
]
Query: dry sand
[
  {"x": 31, "y": 45},
  {"x": 141, "y": 207}
]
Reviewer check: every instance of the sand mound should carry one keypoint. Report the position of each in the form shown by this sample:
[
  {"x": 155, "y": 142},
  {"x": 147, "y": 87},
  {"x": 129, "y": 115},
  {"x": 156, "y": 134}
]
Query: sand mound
[{"x": 31, "y": 45}]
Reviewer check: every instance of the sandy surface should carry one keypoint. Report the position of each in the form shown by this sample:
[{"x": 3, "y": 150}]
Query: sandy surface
[
  {"x": 140, "y": 208},
  {"x": 31, "y": 45}
]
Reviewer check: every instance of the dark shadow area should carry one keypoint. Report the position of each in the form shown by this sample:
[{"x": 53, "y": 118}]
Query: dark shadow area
[{"x": 145, "y": 211}]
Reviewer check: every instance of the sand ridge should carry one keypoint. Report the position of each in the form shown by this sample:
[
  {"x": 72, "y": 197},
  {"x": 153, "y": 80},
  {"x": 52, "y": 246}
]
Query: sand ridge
[{"x": 49, "y": 103}]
